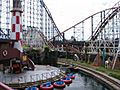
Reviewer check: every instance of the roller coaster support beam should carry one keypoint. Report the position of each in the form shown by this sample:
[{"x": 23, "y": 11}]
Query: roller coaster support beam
[
  {"x": 49, "y": 14},
  {"x": 63, "y": 37}
]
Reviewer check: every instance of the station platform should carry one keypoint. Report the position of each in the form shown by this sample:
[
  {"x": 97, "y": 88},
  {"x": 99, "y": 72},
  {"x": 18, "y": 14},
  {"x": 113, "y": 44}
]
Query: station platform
[{"x": 41, "y": 72}]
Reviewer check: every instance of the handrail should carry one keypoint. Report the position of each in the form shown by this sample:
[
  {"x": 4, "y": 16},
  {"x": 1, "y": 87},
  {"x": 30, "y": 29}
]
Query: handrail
[{"x": 4, "y": 87}]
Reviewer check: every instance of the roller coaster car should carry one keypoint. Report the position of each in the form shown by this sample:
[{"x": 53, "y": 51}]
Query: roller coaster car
[{"x": 7, "y": 51}]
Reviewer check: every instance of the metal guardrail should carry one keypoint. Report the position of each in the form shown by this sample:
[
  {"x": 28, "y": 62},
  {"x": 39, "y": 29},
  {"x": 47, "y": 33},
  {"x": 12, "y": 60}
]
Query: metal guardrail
[{"x": 25, "y": 79}]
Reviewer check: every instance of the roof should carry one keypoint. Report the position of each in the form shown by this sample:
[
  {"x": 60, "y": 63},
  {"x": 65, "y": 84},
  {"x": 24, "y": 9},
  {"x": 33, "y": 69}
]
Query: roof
[{"x": 7, "y": 40}]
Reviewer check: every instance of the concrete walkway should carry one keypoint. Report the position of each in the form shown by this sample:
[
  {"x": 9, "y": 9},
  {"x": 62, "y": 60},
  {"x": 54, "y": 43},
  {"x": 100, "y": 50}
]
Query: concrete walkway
[{"x": 41, "y": 72}]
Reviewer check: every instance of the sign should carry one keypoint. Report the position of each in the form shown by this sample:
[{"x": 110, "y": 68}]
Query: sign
[{"x": 24, "y": 58}]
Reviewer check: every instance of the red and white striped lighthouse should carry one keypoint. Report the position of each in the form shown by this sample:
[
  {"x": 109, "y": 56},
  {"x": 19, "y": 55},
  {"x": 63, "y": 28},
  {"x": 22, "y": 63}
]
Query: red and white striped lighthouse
[{"x": 16, "y": 24}]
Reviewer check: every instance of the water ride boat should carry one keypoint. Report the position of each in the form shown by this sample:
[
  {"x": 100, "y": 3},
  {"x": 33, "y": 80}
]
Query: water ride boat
[
  {"x": 59, "y": 84},
  {"x": 67, "y": 80},
  {"x": 46, "y": 86}
]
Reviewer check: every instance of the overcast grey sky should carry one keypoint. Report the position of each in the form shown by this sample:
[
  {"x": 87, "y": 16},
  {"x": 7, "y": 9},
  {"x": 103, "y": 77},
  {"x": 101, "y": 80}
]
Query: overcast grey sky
[{"x": 69, "y": 12}]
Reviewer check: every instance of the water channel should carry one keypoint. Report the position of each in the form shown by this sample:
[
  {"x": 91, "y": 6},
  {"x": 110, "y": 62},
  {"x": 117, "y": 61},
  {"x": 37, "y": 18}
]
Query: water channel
[{"x": 84, "y": 82}]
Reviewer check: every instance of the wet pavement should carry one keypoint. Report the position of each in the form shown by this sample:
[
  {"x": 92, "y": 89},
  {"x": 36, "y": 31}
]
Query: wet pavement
[{"x": 41, "y": 72}]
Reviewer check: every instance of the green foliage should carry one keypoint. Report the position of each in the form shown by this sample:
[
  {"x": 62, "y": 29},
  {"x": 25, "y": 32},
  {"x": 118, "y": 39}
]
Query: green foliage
[
  {"x": 110, "y": 72},
  {"x": 113, "y": 73},
  {"x": 25, "y": 47},
  {"x": 46, "y": 49}
]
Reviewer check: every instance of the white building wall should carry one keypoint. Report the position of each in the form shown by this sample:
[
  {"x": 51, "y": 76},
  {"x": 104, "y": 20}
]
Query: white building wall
[{"x": 33, "y": 15}]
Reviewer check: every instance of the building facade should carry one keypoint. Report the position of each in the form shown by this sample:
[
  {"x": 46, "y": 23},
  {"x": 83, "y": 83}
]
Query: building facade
[
  {"x": 34, "y": 16},
  {"x": 5, "y": 15}
]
